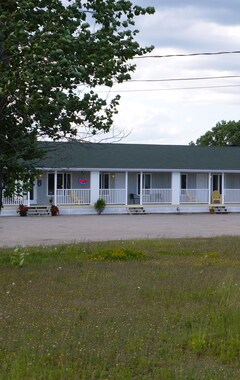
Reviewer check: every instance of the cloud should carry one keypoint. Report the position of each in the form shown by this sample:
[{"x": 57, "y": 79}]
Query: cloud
[
  {"x": 187, "y": 28},
  {"x": 167, "y": 115},
  {"x": 219, "y": 11}
]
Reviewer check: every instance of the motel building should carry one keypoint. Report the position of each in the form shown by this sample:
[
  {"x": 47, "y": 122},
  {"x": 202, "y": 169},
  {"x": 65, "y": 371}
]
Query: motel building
[{"x": 132, "y": 178}]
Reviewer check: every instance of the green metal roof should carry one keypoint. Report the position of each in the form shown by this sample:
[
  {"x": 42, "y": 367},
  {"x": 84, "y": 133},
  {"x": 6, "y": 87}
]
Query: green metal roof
[{"x": 138, "y": 156}]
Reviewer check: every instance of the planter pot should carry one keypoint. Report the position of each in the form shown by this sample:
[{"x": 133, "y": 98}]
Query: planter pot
[
  {"x": 23, "y": 213},
  {"x": 54, "y": 210}
]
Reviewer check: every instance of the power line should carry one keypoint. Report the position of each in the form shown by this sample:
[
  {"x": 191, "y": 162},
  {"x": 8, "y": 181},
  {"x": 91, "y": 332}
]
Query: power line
[
  {"x": 188, "y": 55},
  {"x": 176, "y": 88},
  {"x": 184, "y": 79}
]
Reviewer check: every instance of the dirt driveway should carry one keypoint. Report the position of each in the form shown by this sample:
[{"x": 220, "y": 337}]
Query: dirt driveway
[{"x": 29, "y": 231}]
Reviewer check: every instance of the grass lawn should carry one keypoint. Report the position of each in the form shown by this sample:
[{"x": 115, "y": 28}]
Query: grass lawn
[{"x": 144, "y": 310}]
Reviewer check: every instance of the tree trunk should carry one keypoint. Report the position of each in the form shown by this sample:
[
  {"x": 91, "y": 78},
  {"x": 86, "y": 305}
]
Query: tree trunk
[{"x": 1, "y": 187}]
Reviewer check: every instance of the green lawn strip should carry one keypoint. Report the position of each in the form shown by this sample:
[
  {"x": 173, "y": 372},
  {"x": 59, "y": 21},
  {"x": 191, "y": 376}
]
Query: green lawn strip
[{"x": 166, "y": 309}]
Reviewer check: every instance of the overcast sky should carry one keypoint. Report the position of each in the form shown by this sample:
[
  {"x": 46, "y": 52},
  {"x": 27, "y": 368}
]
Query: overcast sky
[{"x": 169, "y": 112}]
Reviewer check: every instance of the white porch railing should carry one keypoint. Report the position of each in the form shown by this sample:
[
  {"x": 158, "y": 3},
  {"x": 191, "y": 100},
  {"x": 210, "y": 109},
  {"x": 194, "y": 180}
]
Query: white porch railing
[
  {"x": 232, "y": 196},
  {"x": 14, "y": 200},
  {"x": 156, "y": 196},
  {"x": 113, "y": 196},
  {"x": 194, "y": 196},
  {"x": 73, "y": 196},
  {"x": 118, "y": 196}
]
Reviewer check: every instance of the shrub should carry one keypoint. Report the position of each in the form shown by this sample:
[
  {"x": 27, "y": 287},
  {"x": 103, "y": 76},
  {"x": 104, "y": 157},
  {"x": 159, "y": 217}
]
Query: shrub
[{"x": 100, "y": 205}]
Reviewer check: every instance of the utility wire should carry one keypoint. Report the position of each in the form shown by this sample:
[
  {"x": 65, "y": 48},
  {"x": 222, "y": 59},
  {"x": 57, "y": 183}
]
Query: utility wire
[
  {"x": 184, "y": 79},
  {"x": 180, "y": 79},
  {"x": 187, "y": 55},
  {"x": 175, "y": 88}
]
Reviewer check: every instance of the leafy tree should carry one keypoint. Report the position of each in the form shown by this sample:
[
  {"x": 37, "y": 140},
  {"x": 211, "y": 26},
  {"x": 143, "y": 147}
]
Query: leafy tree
[
  {"x": 52, "y": 56},
  {"x": 17, "y": 172},
  {"x": 223, "y": 134}
]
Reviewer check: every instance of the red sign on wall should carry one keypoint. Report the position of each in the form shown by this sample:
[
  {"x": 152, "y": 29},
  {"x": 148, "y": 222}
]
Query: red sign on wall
[{"x": 83, "y": 181}]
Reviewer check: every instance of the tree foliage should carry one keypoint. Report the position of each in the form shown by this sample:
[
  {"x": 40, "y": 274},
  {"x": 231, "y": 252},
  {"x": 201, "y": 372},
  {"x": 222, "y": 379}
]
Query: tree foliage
[
  {"x": 225, "y": 133},
  {"x": 17, "y": 149},
  {"x": 52, "y": 56}
]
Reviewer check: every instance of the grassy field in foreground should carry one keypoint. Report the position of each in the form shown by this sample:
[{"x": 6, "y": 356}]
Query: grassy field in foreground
[{"x": 144, "y": 310}]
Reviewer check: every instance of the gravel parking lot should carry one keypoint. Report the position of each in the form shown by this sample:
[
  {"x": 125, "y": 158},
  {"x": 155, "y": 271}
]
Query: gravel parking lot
[{"x": 30, "y": 231}]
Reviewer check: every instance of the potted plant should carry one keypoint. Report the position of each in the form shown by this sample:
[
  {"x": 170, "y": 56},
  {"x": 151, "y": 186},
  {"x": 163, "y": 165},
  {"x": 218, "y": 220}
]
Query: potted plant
[
  {"x": 54, "y": 210},
  {"x": 22, "y": 210},
  {"x": 100, "y": 205}
]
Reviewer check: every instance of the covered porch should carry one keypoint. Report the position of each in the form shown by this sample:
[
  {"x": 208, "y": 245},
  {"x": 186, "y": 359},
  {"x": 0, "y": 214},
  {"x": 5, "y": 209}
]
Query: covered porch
[{"x": 128, "y": 188}]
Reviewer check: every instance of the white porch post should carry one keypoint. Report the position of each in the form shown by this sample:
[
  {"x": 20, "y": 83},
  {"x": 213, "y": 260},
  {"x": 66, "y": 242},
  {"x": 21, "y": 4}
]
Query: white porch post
[
  {"x": 141, "y": 188},
  {"x": 126, "y": 188},
  {"x": 55, "y": 188},
  {"x": 176, "y": 188},
  {"x": 223, "y": 187},
  {"x": 94, "y": 187},
  {"x": 28, "y": 198},
  {"x": 209, "y": 188}
]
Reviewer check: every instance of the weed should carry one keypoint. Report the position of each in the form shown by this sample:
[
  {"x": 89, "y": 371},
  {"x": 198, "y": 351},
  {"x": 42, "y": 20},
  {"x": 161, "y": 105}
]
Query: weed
[
  {"x": 119, "y": 254},
  {"x": 18, "y": 257}
]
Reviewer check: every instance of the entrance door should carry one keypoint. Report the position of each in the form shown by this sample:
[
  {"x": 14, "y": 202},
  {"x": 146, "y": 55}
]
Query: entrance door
[
  {"x": 217, "y": 182},
  {"x": 33, "y": 195}
]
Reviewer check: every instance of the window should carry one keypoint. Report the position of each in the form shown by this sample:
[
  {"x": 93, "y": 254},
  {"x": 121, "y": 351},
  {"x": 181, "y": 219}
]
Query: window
[
  {"x": 63, "y": 182},
  {"x": 183, "y": 181},
  {"x": 104, "y": 180},
  {"x": 147, "y": 181}
]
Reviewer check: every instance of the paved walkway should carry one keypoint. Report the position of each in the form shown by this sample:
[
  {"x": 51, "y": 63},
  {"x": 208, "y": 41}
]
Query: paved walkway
[{"x": 30, "y": 231}]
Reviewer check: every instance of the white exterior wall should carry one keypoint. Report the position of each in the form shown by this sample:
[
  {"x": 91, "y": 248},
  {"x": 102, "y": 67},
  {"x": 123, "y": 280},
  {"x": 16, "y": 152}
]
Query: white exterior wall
[
  {"x": 176, "y": 184},
  {"x": 94, "y": 181}
]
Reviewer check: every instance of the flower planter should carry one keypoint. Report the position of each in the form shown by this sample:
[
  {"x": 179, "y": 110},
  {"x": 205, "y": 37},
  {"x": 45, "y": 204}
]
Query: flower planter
[
  {"x": 54, "y": 210},
  {"x": 22, "y": 210},
  {"x": 23, "y": 213}
]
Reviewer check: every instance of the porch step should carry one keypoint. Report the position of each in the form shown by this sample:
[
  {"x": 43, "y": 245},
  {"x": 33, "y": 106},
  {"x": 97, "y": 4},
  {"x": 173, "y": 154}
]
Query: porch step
[
  {"x": 39, "y": 211},
  {"x": 136, "y": 210},
  {"x": 219, "y": 209}
]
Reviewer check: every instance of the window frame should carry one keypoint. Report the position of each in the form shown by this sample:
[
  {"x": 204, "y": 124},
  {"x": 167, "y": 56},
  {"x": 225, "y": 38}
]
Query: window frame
[
  {"x": 144, "y": 182},
  {"x": 64, "y": 182},
  {"x": 104, "y": 180}
]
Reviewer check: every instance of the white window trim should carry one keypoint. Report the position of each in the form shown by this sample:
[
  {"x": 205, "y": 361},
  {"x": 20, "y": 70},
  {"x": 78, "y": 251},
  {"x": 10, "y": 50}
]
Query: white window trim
[{"x": 58, "y": 173}]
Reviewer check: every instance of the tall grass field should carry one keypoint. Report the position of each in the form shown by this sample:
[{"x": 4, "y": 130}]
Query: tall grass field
[{"x": 144, "y": 310}]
